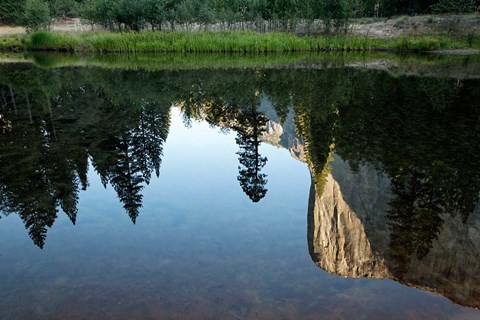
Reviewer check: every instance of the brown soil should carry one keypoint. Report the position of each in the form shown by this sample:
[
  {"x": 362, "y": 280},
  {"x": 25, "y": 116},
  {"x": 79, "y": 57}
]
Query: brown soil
[
  {"x": 64, "y": 25},
  {"x": 418, "y": 25},
  {"x": 8, "y": 31}
]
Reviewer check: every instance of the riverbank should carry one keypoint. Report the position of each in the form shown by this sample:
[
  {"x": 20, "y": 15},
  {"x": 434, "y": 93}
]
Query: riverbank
[{"x": 225, "y": 42}]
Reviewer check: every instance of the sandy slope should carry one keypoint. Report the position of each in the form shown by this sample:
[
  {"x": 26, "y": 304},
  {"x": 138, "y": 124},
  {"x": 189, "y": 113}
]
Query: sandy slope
[{"x": 65, "y": 25}]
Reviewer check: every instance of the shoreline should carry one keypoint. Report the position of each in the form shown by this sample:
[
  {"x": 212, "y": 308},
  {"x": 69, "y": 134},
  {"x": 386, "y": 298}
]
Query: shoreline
[{"x": 450, "y": 66}]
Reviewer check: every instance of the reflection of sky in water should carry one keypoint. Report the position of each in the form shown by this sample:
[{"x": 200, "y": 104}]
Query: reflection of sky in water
[{"x": 200, "y": 249}]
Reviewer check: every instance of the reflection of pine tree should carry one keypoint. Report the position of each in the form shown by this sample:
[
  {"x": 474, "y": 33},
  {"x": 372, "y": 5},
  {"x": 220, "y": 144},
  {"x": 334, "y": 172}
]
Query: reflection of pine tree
[
  {"x": 64, "y": 182},
  {"x": 81, "y": 166},
  {"x": 154, "y": 124},
  {"x": 192, "y": 106},
  {"x": 414, "y": 219},
  {"x": 251, "y": 126},
  {"x": 248, "y": 123},
  {"x": 423, "y": 199},
  {"x": 45, "y": 151},
  {"x": 38, "y": 176},
  {"x": 38, "y": 212},
  {"x": 130, "y": 149},
  {"x": 126, "y": 178},
  {"x": 251, "y": 180}
]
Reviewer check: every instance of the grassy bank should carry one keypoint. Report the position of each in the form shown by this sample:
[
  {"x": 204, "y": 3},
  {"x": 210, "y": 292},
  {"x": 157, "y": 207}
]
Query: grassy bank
[
  {"x": 227, "y": 42},
  {"x": 12, "y": 44}
]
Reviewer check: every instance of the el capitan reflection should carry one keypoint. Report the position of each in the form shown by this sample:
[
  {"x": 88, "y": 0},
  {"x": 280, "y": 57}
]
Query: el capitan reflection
[
  {"x": 400, "y": 198},
  {"x": 394, "y": 160}
]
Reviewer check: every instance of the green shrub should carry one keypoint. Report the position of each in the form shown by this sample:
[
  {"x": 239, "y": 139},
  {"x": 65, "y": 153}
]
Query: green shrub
[
  {"x": 49, "y": 41},
  {"x": 36, "y": 15}
]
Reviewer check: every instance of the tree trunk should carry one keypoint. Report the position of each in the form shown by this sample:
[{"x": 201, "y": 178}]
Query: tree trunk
[
  {"x": 13, "y": 99},
  {"x": 29, "y": 108}
]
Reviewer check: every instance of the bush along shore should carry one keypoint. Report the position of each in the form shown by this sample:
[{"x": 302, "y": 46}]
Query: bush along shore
[{"x": 224, "y": 42}]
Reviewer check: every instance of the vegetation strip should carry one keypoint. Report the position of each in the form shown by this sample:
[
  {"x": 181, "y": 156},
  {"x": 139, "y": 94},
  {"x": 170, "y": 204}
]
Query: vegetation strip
[
  {"x": 278, "y": 15},
  {"x": 223, "y": 42}
]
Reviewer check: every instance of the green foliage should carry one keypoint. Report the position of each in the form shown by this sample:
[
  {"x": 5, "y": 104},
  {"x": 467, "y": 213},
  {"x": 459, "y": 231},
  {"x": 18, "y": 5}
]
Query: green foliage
[
  {"x": 281, "y": 14},
  {"x": 453, "y": 6},
  {"x": 64, "y": 8},
  {"x": 36, "y": 15},
  {"x": 11, "y": 11},
  {"x": 155, "y": 13},
  {"x": 130, "y": 13}
]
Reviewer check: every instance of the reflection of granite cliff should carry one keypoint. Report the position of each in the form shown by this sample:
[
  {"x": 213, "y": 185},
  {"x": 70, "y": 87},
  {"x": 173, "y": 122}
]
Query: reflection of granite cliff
[
  {"x": 281, "y": 135},
  {"x": 348, "y": 233},
  {"x": 348, "y": 236},
  {"x": 338, "y": 242}
]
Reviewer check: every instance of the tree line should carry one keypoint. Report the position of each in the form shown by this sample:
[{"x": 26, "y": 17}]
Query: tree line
[{"x": 155, "y": 14}]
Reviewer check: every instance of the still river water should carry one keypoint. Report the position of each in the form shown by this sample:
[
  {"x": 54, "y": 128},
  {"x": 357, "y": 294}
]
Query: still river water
[{"x": 238, "y": 193}]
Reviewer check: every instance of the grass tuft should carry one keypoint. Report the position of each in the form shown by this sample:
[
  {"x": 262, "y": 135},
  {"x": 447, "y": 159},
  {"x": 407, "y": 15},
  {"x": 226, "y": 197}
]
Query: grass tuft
[{"x": 50, "y": 41}]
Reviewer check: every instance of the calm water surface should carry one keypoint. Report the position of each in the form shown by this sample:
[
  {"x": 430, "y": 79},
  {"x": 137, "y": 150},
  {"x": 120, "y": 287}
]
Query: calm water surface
[{"x": 250, "y": 193}]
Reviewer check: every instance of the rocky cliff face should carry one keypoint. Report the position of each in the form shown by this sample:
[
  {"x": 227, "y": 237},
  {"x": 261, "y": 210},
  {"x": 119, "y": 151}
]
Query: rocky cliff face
[{"x": 349, "y": 236}]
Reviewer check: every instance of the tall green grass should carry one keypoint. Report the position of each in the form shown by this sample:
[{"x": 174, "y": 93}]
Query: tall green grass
[
  {"x": 229, "y": 42},
  {"x": 49, "y": 41}
]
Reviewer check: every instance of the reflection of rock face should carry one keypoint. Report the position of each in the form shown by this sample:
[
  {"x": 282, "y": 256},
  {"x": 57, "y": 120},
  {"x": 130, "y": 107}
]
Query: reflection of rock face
[
  {"x": 273, "y": 133},
  {"x": 348, "y": 233},
  {"x": 348, "y": 236},
  {"x": 337, "y": 239},
  {"x": 452, "y": 267},
  {"x": 282, "y": 135}
]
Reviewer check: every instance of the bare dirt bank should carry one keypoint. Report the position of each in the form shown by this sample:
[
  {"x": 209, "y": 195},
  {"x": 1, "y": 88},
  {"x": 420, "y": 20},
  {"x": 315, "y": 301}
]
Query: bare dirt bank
[
  {"x": 64, "y": 25},
  {"x": 418, "y": 25}
]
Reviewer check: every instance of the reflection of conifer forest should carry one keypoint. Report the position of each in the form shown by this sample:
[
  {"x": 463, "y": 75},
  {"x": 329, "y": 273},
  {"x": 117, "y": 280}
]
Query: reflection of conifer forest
[{"x": 422, "y": 132}]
